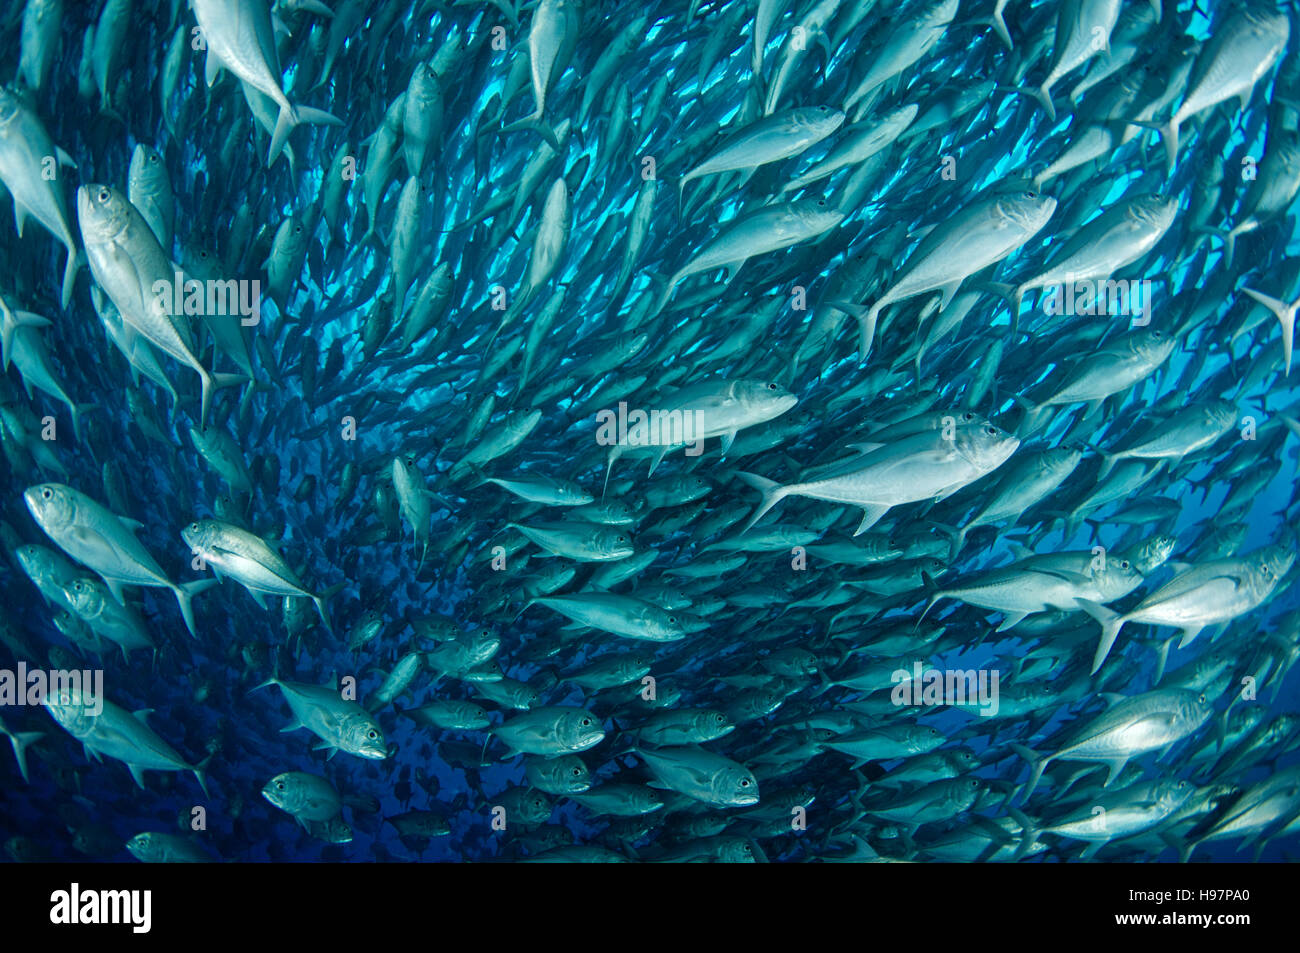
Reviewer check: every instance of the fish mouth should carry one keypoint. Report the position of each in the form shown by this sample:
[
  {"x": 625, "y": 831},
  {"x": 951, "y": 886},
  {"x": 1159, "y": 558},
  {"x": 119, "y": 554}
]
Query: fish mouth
[
  {"x": 92, "y": 218},
  {"x": 85, "y": 203}
]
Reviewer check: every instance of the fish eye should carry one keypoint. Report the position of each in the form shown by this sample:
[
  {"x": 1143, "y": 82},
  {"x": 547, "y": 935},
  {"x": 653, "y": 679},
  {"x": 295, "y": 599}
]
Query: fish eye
[
  {"x": 586, "y": 722},
  {"x": 1201, "y": 698},
  {"x": 47, "y": 494},
  {"x": 720, "y": 719},
  {"x": 1123, "y": 564},
  {"x": 103, "y": 194},
  {"x": 991, "y": 431},
  {"x": 577, "y": 772},
  {"x": 771, "y": 386},
  {"x": 372, "y": 734},
  {"x": 280, "y": 785},
  {"x": 744, "y": 782},
  {"x": 1031, "y": 195}
]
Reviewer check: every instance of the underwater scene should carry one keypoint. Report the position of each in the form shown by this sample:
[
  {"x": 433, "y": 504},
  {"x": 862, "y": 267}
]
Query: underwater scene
[{"x": 751, "y": 430}]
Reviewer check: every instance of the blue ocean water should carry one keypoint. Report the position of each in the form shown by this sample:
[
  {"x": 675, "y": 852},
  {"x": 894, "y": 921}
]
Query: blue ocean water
[{"x": 365, "y": 399}]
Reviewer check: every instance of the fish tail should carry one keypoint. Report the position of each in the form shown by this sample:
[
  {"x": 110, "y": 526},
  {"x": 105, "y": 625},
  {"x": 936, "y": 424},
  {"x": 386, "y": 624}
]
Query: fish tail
[
  {"x": 205, "y": 394},
  {"x": 21, "y": 741},
  {"x": 273, "y": 680},
  {"x": 315, "y": 117},
  {"x": 956, "y": 534},
  {"x": 1028, "y": 831},
  {"x": 535, "y": 123},
  {"x": 1014, "y": 295},
  {"x": 200, "y": 772},
  {"x": 614, "y": 454},
  {"x": 866, "y": 318},
  {"x": 77, "y": 410},
  {"x": 370, "y": 235},
  {"x": 1225, "y": 235},
  {"x": 1032, "y": 419},
  {"x": 772, "y": 493},
  {"x": 934, "y": 595},
  {"x": 213, "y": 382},
  {"x": 1044, "y": 96},
  {"x": 1162, "y": 660},
  {"x": 1221, "y": 727},
  {"x": 1169, "y": 136},
  {"x": 658, "y": 459},
  {"x": 825, "y": 684},
  {"x": 284, "y": 124},
  {"x": 680, "y": 190},
  {"x": 1111, "y": 623},
  {"x": 1168, "y": 133},
  {"x": 526, "y": 606},
  {"x": 480, "y": 477},
  {"x": 70, "y": 269},
  {"x": 999, "y": 24},
  {"x": 185, "y": 594},
  {"x": 871, "y": 515},
  {"x": 10, "y": 322},
  {"x": 1036, "y": 764},
  {"x": 668, "y": 286},
  {"x": 1285, "y": 315},
  {"x": 322, "y": 605}
]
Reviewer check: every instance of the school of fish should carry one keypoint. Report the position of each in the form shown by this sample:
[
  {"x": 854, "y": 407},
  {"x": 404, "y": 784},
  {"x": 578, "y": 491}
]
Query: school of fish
[{"x": 711, "y": 430}]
